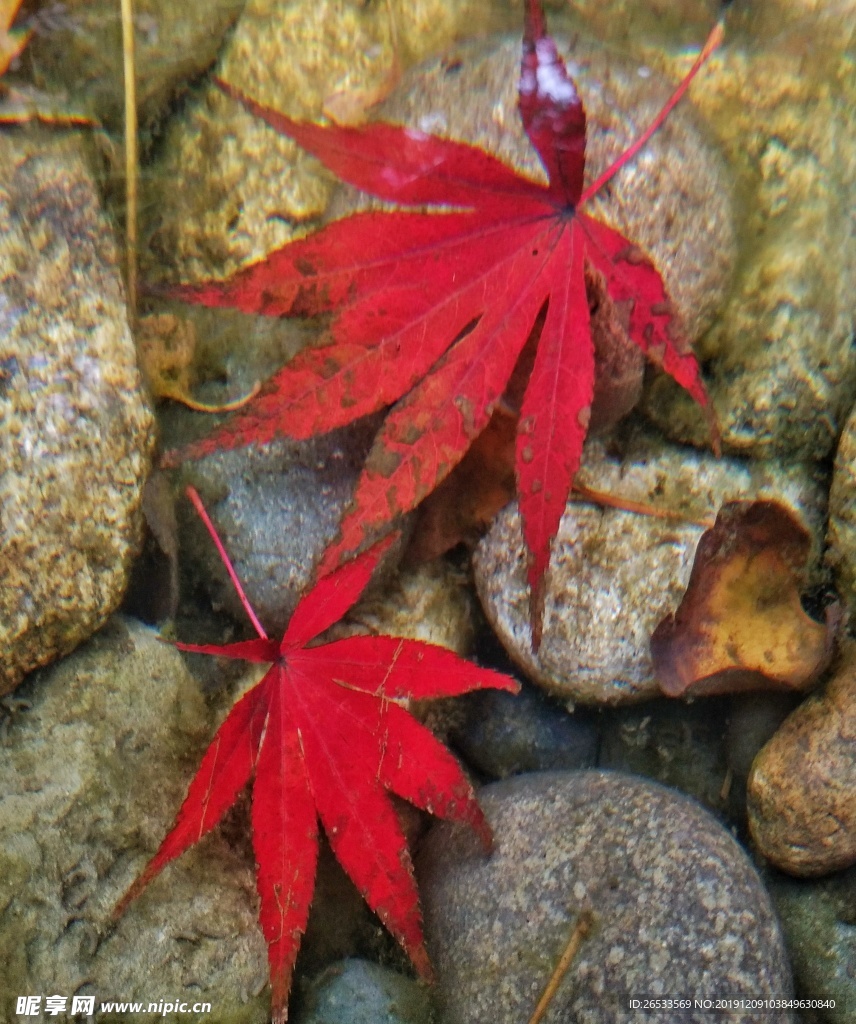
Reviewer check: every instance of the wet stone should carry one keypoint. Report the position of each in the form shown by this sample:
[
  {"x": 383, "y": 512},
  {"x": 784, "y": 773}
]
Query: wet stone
[
  {"x": 842, "y": 515},
  {"x": 76, "y": 47},
  {"x": 819, "y": 925},
  {"x": 677, "y": 744},
  {"x": 614, "y": 575},
  {"x": 506, "y": 734},
  {"x": 96, "y": 760},
  {"x": 753, "y": 720},
  {"x": 802, "y": 786},
  {"x": 228, "y": 189},
  {"x": 75, "y": 425},
  {"x": 276, "y": 509},
  {"x": 780, "y": 363},
  {"x": 677, "y": 906},
  {"x": 359, "y": 992},
  {"x": 429, "y": 602}
]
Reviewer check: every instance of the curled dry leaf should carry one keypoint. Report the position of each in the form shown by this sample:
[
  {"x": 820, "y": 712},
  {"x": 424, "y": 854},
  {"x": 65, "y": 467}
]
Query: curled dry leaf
[{"x": 740, "y": 625}]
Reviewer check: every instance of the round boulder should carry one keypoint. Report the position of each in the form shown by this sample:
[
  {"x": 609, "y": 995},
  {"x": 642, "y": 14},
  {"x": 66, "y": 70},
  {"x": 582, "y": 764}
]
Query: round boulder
[
  {"x": 75, "y": 424},
  {"x": 677, "y": 910}
]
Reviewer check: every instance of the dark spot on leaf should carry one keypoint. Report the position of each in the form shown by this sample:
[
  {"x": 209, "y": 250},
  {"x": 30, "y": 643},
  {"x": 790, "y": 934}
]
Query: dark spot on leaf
[
  {"x": 410, "y": 434},
  {"x": 383, "y": 461},
  {"x": 329, "y": 368},
  {"x": 630, "y": 254},
  {"x": 465, "y": 407}
]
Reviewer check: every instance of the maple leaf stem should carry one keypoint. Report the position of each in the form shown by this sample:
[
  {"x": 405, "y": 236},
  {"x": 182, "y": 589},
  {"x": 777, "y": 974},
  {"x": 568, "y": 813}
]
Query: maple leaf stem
[
  {"x": 193, "y": 494},
  {"x": 713, "y": 41}
]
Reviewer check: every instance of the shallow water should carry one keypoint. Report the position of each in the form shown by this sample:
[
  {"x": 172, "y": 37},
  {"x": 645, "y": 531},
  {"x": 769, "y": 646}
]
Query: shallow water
[{"x": 218, "y": 189}]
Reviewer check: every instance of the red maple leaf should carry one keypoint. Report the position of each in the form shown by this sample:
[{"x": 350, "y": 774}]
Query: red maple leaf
[
  {"x": 433, "y": 307},
  {"x": 324, "y": 735}
]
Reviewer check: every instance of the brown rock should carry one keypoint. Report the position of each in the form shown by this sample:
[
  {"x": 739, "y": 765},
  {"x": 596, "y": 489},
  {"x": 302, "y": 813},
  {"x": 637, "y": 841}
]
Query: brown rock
[
  {"x": 781, "y": 367},
  {"x": 75, "y": 424},
  {"x": 228, "y": 189},
  {"x": 802, "y": 787},
  {"x": 77, "y": 47}
]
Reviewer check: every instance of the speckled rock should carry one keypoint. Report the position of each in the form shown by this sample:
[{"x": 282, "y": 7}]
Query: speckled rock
[
  {"x": 635, "y": 24},
  {"x": 674, "y": 200},
  {"x": 820, "y": 932},
  {"x": 802, "y": 786},
  {"x": 77, "y": 48},
  {"x": 96, "y": 760},
  {"x": 614, "y": 575},
  {"x": 505, "y": 734},
  {"x": 678, "y": 908},
  {"x": 780, "y": 362},
  {"x": 276, "y": 509},
  {"x": 429, "y": 602},
  {"x": 359, "y": 992},
  {"x": 228, "y": 189},
  {"x": 842, "y": 515},
  {"x": 75, "y": 426}
]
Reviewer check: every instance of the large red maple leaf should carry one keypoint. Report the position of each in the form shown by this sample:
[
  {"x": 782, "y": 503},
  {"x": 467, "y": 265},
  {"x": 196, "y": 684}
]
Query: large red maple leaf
[
  {"x": 324, "y": 735},
  {"x": 433, "y": 307}
]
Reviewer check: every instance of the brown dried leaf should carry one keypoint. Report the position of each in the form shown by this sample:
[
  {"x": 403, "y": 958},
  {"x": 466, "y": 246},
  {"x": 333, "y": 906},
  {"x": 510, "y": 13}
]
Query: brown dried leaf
[{"x": 740, "y": 625}]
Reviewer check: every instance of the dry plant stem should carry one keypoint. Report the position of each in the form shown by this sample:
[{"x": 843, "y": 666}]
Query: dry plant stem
[
  {"x": 577, "y": 937},
  {"x": 131, "y": 158},
  {"x": 725, "y": 789},
  {"x": 641, "y": 508}
]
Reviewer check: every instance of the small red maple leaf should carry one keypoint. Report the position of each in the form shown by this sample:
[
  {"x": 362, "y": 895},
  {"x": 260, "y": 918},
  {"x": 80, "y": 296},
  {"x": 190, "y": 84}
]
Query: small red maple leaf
[
  {"x": 433, "y": 308},
  {"x": 324, "y": 735}
]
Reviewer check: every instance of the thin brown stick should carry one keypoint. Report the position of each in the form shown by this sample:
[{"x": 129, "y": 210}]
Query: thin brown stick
[
  {"x": 131, "y": 156},
  {"x": 577, "y": 937},
  {"x": 641, "y": 508}
]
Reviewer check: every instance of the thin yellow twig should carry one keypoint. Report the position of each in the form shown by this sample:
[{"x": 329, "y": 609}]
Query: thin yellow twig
[
  {"x": 131, "y": 156},
  {"x": 577, "y": 937}
]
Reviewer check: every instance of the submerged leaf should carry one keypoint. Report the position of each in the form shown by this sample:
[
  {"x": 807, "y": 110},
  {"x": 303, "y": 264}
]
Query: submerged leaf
[
  {"x": 741, "y": 625},
  {"x": 433, "y": 307},
  {"x": 323, "y": 738}
]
